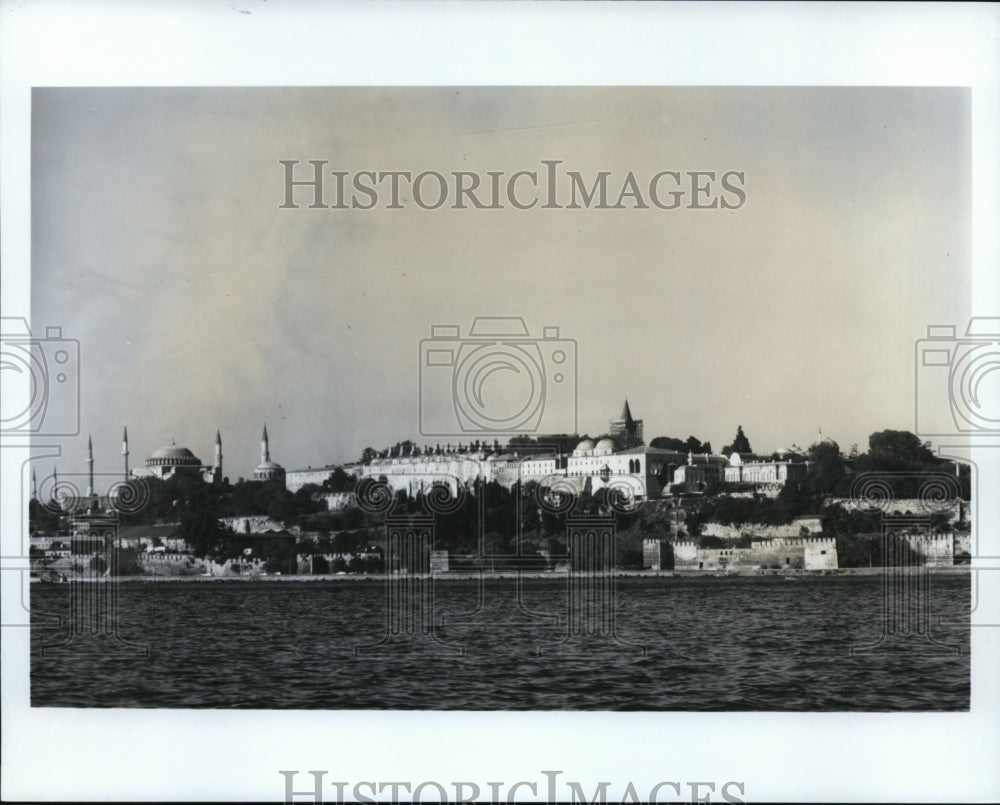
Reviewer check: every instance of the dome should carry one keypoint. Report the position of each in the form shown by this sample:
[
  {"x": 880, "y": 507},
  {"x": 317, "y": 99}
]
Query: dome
[
  {"x": 586, "y": 444},
  {"x": 269, "y": 465},
  {"x": 605, "y": 447},
  {"x": 172, "y": 454}
]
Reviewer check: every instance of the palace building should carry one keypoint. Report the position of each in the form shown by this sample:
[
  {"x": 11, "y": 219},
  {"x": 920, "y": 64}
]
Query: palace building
[{"x": 643, "y": 470}]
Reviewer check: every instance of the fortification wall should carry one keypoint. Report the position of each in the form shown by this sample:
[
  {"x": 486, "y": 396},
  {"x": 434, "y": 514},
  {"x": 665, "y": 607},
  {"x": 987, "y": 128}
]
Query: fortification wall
[
  {"x": 821, "y": 554},
  {"x": 296, "y": 479},
  {"x": 161, "y": 563},
  {"x": 656, "y": 554},
  {"x": 252, "y": 524},
  {"x": 814, "y": 525},
  {"x": 335, "y": 501},
  {"x": 938, "y": 550},
  {"x": 907, "y": 506},
  {"x": 685, "y": 552},
  {"x": 793, "y": 553}
]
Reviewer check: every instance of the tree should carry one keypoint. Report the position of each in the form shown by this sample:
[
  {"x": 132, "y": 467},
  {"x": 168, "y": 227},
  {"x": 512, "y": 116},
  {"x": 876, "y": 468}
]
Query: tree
[
  {"x": 204, "y": 533},
  {"x": 669, "y": 443},
  {"x": 694, "y": 445},
  {"x": 339, "y": 481},
  {"x": 826, "y": 470},
  {"x": 898, "y": 450},
  {"x": 741, "y": 444},
  {"x": 41, "y": 519}
]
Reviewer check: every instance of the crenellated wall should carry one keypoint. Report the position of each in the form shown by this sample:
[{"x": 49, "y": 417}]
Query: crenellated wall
[
  {"x": 938, "y": 550},
  {"x": 794, "y": 553}
]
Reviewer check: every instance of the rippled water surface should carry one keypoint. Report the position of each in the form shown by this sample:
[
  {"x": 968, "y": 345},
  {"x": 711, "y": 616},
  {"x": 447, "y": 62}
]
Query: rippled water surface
[{"x": 678, "y": 644}]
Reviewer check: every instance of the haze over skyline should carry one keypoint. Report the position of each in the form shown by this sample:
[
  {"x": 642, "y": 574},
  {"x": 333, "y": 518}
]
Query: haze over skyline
[{"x": 159, "y": 242}]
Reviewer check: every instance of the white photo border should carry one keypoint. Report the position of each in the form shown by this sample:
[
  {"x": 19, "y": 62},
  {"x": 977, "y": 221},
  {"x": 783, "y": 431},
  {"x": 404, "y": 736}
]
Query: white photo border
[{"x": 68, "y": 754}]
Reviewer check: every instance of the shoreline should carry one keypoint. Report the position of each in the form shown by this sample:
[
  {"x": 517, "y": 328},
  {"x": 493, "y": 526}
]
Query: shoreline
[{"x": 524, "y": 574}]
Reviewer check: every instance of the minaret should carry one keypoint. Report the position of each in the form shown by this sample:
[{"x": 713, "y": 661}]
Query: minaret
[
  {"x": 125, "y": 450},
  {"x": 627, "y": 416},
  {"x": 217, "y": 465},
  {"x": 34, "y": 486},
  {"x": 265, "y": 454},
  {"x": 90, "y": 467}
]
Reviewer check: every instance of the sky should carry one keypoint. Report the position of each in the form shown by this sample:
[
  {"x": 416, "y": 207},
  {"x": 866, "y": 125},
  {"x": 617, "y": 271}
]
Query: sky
[{"x": 159, "y": 241}]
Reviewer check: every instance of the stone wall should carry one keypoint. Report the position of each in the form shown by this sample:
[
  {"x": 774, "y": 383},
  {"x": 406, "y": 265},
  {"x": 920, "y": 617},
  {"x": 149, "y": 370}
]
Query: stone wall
[
  {"x": 821, "y": 554},
  {"x": 296, "y": 479},
  {"x": 814, "y": 525},
  {"x": 163, "y": 563},
  {"x": 938, "y": 550},
  {"x": 257, "y": 523},
  {"x": 792, "y": 553},
  {"x": 656, "y": 554},
  {"x": 335, "y": 501},
  {"x": 916, "y": 507}
]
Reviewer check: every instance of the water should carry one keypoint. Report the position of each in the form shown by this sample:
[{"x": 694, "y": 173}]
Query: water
[{"x": 766, "y": 643}]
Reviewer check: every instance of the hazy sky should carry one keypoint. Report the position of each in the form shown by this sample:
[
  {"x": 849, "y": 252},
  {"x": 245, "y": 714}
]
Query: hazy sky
[{"x": 158, "y": 242}]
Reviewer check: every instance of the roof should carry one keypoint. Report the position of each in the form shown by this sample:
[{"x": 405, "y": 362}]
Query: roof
[
  {"x": 162, "y": 531},
  {"x": 327, "y": 468},
  {"x": 703, "y": 458},
  {"x": 652, "y": 451},
  {"x": 180, "y": 454}
]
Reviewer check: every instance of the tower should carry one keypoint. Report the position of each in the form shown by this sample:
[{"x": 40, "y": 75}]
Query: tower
[
  {"x": 125, "y": 451},
  {"x": 268, "y": 470},
  {"x": 90, "y": 467},
  {"x": 627, "y": 427},
  {"x": 217, "y": 463},
  {"x": 34, "y": 486}
]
